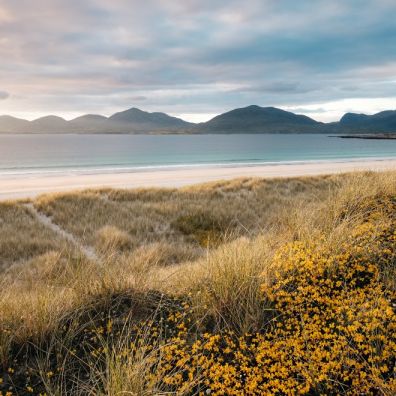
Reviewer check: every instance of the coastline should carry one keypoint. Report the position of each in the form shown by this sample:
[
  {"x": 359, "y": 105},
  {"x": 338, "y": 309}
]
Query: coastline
[
  {"x": 25, "y": 186},
  {"x": 372, "y": 136}
]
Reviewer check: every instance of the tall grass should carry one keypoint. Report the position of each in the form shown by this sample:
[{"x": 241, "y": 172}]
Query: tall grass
[{"x": 212, "y": 244}]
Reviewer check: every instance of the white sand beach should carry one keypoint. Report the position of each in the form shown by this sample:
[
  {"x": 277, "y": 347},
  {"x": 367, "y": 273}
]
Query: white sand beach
[{"x": 30, "y": 185}]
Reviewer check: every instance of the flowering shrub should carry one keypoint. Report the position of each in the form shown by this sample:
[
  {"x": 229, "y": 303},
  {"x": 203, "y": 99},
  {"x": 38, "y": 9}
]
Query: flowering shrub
[{"x": 333, "y": 330}]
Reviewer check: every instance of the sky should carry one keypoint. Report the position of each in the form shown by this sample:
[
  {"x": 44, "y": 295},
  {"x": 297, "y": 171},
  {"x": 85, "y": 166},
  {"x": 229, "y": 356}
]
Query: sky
[{"x": 196, "y": 58}]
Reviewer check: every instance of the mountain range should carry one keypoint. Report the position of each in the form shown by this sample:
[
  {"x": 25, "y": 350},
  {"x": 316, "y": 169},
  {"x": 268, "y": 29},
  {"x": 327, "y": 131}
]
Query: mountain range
[{"x": 251, "y": 119}]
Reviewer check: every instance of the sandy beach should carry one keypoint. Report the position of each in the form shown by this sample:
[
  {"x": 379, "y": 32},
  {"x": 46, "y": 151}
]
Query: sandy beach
[{"x": 32, "y": 185}]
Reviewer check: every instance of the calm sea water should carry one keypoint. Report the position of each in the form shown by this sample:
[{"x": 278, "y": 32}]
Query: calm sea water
[{"x": 91, "y": 153}]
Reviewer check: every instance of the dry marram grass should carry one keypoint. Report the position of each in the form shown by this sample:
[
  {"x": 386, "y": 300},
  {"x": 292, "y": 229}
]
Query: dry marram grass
[{"x": 211, "y": 244}]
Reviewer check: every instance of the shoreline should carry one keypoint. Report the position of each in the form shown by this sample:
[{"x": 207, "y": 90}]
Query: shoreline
[
  {"x": 4, "y": 173},
  {"x": 30, "y": 185},
  {"x": 370, "y": 136},
  {"x": 89, "y": 171}
]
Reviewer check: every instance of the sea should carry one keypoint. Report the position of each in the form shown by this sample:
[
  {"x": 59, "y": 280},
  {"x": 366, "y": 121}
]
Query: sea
[{"x": 57, "y": 153}]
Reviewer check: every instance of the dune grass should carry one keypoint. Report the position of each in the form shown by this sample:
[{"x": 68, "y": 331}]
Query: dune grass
[
  {"x": 22, "y": 236},
  {"x": 193, "y": 267},
  {"x": 195, "y": 216}
]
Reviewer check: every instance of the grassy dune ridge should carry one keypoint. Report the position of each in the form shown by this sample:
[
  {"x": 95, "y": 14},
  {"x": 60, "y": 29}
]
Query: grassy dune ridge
[{"x": 223, "y": 288}]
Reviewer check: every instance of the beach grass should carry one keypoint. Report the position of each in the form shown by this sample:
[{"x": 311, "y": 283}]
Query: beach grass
[{"x": 222, "y": 288}]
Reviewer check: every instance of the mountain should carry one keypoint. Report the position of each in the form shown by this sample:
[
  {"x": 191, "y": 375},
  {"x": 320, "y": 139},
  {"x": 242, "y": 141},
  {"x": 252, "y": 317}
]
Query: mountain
[
  {"x": 251, "y": 119},
  {"x": 88, "y": 118},
  {"x": 144, "y": 121},
  {"x": 48, "y": 124},
  {"x": 12, "y": 124},
  {"x": 385, "y": 121},
  {"x": 129, "y": 121},
  {"x": 256, "y": 119},
  {"x": 89, "y": 123}
]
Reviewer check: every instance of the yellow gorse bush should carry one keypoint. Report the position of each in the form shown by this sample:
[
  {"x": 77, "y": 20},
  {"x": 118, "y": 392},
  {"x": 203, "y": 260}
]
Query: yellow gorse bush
[{"x": 332, "y": 330}]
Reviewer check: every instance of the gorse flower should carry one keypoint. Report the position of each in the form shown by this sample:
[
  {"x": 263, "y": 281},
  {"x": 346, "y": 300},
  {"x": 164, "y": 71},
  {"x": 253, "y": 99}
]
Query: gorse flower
[{"x": 333, "y": 329}]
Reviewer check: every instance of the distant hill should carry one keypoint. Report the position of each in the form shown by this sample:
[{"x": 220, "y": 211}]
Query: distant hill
[
  {"x": 256, "y": 119},
  {"x": 251, "y": 119},
  {"x": 384, "y": 121},
  {"x": 89, "y": 123},
  {"x": 129, "y": 121},
  {"x": 52, "y": 124},
  {"x": 12, "y": 124},
  {"x": 144, "y": 121}
]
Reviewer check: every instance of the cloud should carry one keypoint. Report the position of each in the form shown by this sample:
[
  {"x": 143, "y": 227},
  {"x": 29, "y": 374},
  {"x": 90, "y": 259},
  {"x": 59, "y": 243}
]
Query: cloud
[
  {"x": 138, "y": 98},
  {"x": 194, "y": 55},
  {"x": 4, "y": 95},
  {"x": 307, "y": 110}
]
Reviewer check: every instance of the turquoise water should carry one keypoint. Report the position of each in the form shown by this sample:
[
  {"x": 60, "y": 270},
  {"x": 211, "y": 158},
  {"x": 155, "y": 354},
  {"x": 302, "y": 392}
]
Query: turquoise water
[{"x": 98, "y": 153}]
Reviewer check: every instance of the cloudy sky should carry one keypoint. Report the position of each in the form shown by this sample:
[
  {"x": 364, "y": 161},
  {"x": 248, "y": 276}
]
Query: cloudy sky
[{"x": 196, "y": 58}]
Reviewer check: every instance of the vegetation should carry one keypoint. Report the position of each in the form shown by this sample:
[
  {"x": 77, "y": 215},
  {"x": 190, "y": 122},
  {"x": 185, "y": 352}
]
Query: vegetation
[{"x": 249, "y": 287}]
